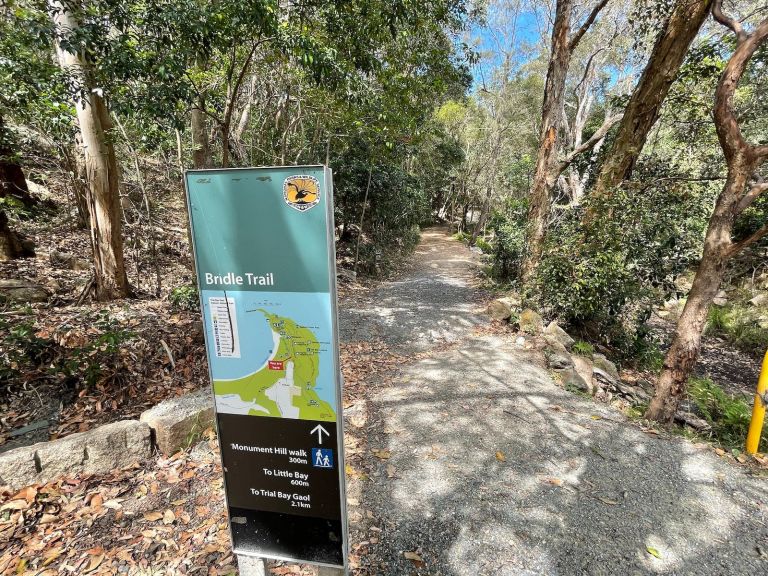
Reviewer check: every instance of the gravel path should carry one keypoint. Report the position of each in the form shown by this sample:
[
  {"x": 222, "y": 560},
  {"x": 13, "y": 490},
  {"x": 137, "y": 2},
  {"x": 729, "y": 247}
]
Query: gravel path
[{"x": 494, "y": 470}]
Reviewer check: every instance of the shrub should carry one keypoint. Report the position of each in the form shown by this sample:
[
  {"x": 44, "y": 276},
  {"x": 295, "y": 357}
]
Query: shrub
[
  {"x": 582, "y": 348},
  {"x": 728, "y": 415},
  {"x": 484, "y": 245},
  {"x": 508, "y": 226},
  {"x": 739, "y": 326},
  {"x": 184, "y": 297},
  {"x": 606, "y": 276}
]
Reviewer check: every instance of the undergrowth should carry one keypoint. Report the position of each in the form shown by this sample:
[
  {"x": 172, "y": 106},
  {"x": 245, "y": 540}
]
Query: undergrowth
[
  {"x": 728, "y": 415},
  {"x": 739, "y": 326}
]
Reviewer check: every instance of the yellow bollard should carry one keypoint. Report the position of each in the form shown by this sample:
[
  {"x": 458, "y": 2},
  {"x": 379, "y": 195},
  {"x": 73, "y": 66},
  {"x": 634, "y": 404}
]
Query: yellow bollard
[{"x": 758, "y": 410}]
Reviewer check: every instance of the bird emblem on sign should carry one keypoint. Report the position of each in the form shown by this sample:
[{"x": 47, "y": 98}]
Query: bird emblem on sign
[{"x": 301, "y": 192}]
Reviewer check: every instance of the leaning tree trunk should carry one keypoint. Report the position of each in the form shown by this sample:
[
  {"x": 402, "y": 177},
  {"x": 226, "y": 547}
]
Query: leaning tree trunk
[
  {"x": 683, "y": 353},
  {"x": 103, "y": 193},
  {"x": 743, "y": 160},
  {"x": 644, "y": 105},
  {"x": 13, "y": 187}
]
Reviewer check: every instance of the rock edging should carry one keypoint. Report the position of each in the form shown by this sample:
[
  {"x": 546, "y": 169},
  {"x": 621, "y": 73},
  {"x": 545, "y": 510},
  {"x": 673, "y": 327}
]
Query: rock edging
[{"x": 170, "y": 426}]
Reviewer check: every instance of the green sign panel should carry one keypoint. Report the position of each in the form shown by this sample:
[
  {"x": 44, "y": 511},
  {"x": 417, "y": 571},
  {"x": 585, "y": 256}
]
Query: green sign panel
[{"x": 264, "y": 251}]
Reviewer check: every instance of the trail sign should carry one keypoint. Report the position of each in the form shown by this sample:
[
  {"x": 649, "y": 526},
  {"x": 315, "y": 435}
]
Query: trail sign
[{"x": 264, "y": 251}]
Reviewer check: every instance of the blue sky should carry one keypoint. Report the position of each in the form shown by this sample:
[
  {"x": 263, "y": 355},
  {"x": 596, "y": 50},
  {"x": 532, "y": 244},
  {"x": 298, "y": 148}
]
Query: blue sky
[{"x": 518, "y": 37}]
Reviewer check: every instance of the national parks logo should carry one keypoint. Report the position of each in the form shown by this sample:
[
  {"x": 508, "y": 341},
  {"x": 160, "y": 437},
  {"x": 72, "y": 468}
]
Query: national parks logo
[{"x": 301, "y": 192}]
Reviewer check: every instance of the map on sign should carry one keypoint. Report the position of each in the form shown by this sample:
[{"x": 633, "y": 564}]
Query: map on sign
[{"x": 286, "y": 370}]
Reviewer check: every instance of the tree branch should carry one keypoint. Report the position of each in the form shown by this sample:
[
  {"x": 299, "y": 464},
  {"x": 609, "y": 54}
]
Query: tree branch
[
  {"x": 737, "y": 247},
  {"x": 726, "y": 123},
  {"x": 751, "y": 196},
  {"x": 574, "y": 42},
  {"x": 594, "y": 139},
  {"x": 728, "y": 22}
]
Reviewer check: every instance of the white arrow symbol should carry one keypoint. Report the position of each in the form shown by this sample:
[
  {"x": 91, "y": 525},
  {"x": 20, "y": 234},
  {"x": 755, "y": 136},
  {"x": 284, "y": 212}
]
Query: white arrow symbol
[{"x": 320, "y": 431}]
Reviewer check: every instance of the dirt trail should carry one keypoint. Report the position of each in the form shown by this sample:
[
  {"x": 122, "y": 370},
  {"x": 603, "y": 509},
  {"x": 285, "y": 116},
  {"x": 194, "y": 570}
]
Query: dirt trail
[{"x": 489, "y": 468}]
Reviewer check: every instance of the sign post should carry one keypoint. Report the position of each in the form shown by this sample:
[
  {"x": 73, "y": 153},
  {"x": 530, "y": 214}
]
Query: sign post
[{"x": 264, "y": 252}]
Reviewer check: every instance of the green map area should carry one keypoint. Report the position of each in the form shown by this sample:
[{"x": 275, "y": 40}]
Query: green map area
[{"x": 285, "y": 386}]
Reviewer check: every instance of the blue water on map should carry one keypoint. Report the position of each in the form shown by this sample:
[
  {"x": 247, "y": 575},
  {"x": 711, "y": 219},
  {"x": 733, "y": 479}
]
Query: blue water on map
[{"x": 309, "y": 309}]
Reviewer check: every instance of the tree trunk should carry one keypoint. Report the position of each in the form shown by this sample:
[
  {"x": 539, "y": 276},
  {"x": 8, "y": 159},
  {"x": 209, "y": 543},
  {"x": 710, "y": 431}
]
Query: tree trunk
[
  {"x": 201, "y": 155},
  {"x": 103, "y": 192},
  {"x": 743, "y": 159},
  {"x": 484, "y": 210},
  {"x": 13, "y": 184},
  {"x": 546, "y": 158},
  {"x": 684, "y": 351},
  {"x": 644, "y": 105},
  {"x": 11, "y": 244}
]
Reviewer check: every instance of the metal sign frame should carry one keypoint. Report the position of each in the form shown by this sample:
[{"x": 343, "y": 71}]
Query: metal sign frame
[{"x": 338, "y": 378}]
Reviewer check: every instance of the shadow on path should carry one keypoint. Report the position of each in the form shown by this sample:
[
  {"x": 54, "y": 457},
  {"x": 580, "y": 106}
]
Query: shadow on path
[{"x": 498, "y": 471}]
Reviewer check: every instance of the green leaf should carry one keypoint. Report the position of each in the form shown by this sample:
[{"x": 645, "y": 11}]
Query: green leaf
[{"x": 653, "y": 552}]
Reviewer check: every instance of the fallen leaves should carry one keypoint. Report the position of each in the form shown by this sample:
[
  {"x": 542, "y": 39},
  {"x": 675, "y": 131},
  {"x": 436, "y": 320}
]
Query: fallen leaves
[
  {"x": 382, "y": 454},
  {"x": 414, "y": 557},
  {"x": 50, "y": 530},
  {"x": 153, "y": 516},
  {"x": 500, "y": 456},
  {"x": 553, "y": 481}
]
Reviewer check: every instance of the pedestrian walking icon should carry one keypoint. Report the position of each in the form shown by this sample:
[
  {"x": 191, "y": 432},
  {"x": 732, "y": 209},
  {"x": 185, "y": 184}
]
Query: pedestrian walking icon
[{"x": 322, "y": 457}]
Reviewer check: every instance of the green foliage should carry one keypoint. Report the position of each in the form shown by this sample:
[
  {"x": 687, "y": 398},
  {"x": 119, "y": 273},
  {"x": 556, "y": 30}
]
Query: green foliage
[
  {"x": 582, "y": 348},
  {"x": 606, "y": 277},
  {"x": 739, "y": 325},
  {"x": 508, "y": 226},
  {"x": 728, "y": 415},
  {"x": 484, "y": 245},
  {"x": 184, "y": 297},
  {"x": 19, "y": 346},
  {"x": 71, "y": 353}
]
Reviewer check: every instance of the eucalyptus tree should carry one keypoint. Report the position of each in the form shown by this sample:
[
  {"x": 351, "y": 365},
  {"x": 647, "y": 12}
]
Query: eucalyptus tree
[
  {"x": 101, "y": 168},
  {"x": 744, "y": 184},
  {"x": 678, "y": 30},
  {"x": 564, "y": 43}
]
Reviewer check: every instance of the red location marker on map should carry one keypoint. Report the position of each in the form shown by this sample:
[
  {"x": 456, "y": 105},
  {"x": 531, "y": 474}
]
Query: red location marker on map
[{"x": 275, "y": 365}]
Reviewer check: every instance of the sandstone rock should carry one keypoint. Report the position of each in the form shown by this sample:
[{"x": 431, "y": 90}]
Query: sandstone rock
[
  {"x": 554, "y": 330},
  {"x": 177, "y": 423},
  {"x": 760, "y": 300},
  {"x": 584, "y": 367},
  {"x": 605, "y": 365},
  {"x": 635, "y": 393},
  {"x": 721, "y": 298},
  {"x": 499, "y": 310},
  {"x": 531, "y": 322},
  {"x": 601, "y": 379},
  {"x": 557, "y": 356},
  {"x": 503, "y": 308},
  {"x": 19, "y": 467},
  {"x": 97, "y": 451},
  {"x": 22, "y": 291},
  {"x": 572, "y": 379}
]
